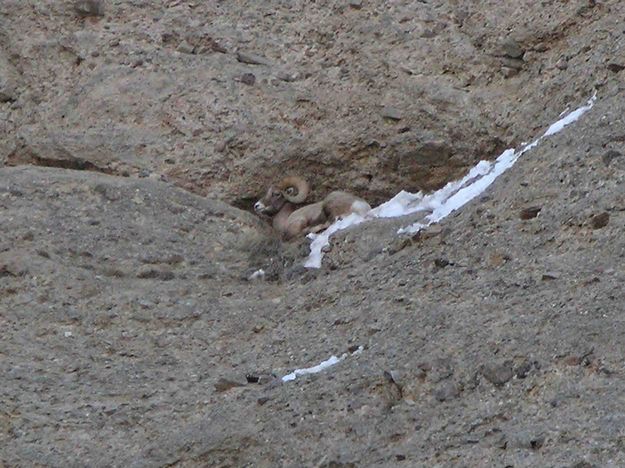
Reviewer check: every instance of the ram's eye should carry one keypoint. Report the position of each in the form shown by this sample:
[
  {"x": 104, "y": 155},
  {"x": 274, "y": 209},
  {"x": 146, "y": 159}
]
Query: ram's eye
[{"x": 276, "y": 194}]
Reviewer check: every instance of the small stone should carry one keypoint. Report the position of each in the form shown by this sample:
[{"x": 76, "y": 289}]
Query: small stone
[
  {"x": 43, "y": 253},
  {"x": 286, "y": 76},
  {"x": 150, "y": 272},
  {"x": 600, "y": 220},
  {"x": 372, "y": 254},
  {"x": 610, "y": 156},
  {"x": 112, "y": 272},
  {"x": 112, "y": 409},
  {"x": 498, "y": 259},
  {"x": 496, "y": 439},
  {"x": 185, "y": 48},
  {"x": 86, "y": 8},
  {"x": 8, "y": 91},
  {"x": 497, "y": 373},
  {"x": 248, "y": 79},
  {"x": 550, "y": 275},
  {"x": 357, "y": 4},
  {"x": 511, "y": 48},
  {"x": 429, "y": 233},
  {"x": 391, "y": 113},
  {"x": 526, "y": 440},
  {"x": 223, "y": 385},
  {"x": 583, "y": 464},
  {"x": 508, "y": 72},
  {"x": 252, "y": 59},
  {"x": 562, "y": 64},
  {"x": 521, "y": 370},
  {"x": 529, "y": 212},
  {"x": 447, "y": 391},
  {"x": 516, "y": 64},
  {"x": 615, "y": 67},
  {"x": 572, "y": 360},
  {"x": 262, "y": 400},
  {"x": 146, "y": 304},
  {"x": 398, "y": 245},
  {"x": 265, "y": 379},
  {"x": 7, "y": 94}
]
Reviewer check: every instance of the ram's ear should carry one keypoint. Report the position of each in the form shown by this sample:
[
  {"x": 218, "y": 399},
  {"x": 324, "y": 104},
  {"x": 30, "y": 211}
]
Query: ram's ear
[{"x": 291, "y": 191}]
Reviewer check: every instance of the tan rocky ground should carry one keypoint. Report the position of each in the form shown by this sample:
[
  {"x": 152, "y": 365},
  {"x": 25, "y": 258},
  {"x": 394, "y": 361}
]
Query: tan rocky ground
[{"x": 130, "y": 335}]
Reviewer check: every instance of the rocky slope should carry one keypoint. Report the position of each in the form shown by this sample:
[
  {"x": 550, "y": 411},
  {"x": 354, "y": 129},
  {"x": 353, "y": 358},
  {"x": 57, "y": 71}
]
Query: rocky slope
[
  {"x": 366, "y": 96},
  {"x": 130, "y": 335}
]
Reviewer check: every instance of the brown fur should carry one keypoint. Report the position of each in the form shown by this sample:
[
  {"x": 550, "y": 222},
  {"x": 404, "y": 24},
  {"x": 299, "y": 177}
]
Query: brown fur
[{"x": 290, "y": 219}]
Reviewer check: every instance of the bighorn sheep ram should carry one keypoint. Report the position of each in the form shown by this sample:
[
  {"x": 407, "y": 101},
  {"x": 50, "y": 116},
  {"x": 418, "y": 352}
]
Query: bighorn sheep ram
[{"x": 284, "y": 202}]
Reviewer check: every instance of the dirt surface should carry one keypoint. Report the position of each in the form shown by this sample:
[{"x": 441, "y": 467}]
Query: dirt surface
[{"x": 131, "y": 333}]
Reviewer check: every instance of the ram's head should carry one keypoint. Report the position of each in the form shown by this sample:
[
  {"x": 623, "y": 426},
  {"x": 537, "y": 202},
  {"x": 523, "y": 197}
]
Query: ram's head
[{"x": 291, "y": 189}]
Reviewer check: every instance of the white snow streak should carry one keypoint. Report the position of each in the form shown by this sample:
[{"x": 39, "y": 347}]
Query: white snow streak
[
  {"x": 441, "y": 203},
  {"x": 258, "y": 274},
  {"x": 332, "y": 360}
]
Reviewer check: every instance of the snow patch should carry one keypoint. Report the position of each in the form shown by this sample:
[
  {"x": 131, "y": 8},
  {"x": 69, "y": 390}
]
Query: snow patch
[
  {"x": 331, "y": 361},
  {"x": 258, "y": 274},
  {"x": 441, "y": 203}
]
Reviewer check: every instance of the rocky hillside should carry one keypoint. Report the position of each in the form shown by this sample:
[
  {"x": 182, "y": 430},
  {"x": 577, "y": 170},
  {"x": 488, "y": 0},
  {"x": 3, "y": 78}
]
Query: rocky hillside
[
  {"x": 130, "y": 333},
  {"x": 220, "y": 97}
]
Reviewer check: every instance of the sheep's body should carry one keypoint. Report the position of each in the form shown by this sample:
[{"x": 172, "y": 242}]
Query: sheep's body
[
  {"x": 283, "y": 202},
  {"x": 301, "y": 220},
  {"x": 337, "y": 204}
]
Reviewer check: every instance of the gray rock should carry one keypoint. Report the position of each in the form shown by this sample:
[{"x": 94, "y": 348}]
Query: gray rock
[
  {"x": 511, "y": 48},
  {"x": 149, "y": 272},
  {"x": 509, "y": 72},
  {"x": 600, "y": 220},
  {"x": 615, "y": 67},
  {"x": 550, "y": 275},
  {"x": 562, "y": 64},
  {"x": 497, "y": 373},
  {"x": 8, "y": 80},
  {"x": 530, "y": 212},
  {"x": 515, "y": 64},
  {"x": 185, "y": 48},
  {"x": 287, "y": 76},
  {"x": 89, "y": 7},
  {"x": 610, "y": 156},
  {"x": 225, "y": 384},
  {"x": 447, "y": 390},
  {"x": 252, "y": 59},
  {"x": 391, "y": 113},
  {"x": 583, "y": 464},
  {"x": 526, "y": 439},
  {"x": 248, "y": 79}
]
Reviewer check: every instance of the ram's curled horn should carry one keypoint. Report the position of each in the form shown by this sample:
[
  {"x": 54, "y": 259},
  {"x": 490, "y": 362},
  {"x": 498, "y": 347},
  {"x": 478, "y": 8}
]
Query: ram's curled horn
[{"x": 295, "y": 189}]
